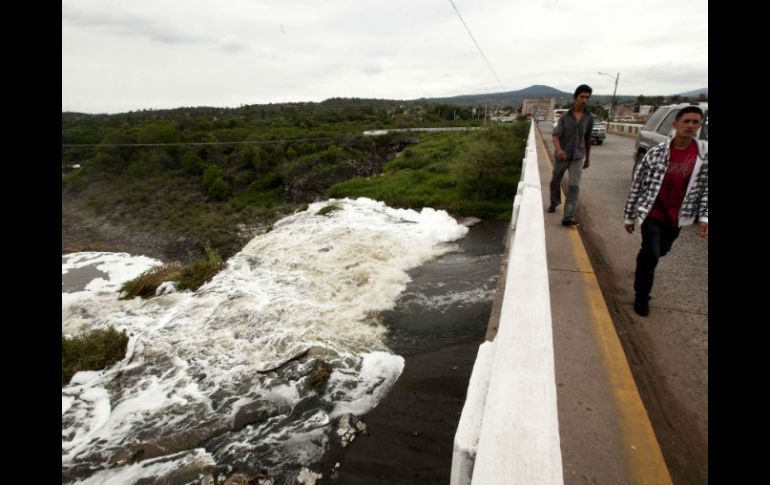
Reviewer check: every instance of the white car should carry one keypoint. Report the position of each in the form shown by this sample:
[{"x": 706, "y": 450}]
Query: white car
[
  {"x": 659, "y": 128},
  {"x": 598, "y": 134},
  {"x": 557, "y": 114}
]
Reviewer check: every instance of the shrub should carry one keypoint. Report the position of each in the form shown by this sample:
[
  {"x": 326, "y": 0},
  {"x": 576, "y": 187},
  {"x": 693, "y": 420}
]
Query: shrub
[
  {"x": 200, "y": 270},
  {"x": 74, "y": 181},
  {"x": 93, "y": 350},
  {"x": 478, "y": 167},
  {"x": 146, "y": 284},
  {"x": 210, "y": 175},
  {"x": 192, "y": 163},
  {"x": 218, "y": 189},
  {"x": 328, "y": 209}
]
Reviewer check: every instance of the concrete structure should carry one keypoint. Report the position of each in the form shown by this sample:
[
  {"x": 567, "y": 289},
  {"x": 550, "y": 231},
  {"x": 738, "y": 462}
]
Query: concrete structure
[
  {"x": 541, "y": 108},
  {"x": 508, "y": 431},
  {"x": 628, "y": 129},
  {"x": 645, "y": 109},
  {"x": 554, "y": 337}
]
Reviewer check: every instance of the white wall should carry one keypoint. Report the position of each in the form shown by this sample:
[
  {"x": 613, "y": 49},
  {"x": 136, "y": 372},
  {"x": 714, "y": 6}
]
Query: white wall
[{"x": 509, "y": 432}]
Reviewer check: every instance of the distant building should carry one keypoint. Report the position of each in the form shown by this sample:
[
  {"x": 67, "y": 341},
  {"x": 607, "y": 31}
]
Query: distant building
[
  {"x": 645, "y": 109},
  {"x": 542, "y": 108}
]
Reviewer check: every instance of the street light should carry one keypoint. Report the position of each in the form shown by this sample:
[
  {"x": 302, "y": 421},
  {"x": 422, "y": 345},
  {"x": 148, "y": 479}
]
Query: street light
[{"x": 614, "y": 103}]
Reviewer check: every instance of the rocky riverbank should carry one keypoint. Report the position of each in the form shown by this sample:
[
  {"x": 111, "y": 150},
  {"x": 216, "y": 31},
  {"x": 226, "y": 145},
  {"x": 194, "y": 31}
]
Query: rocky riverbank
[{"x": 84, "y": 230}]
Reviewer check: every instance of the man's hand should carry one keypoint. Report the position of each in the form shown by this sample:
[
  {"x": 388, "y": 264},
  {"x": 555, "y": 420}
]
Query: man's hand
[
  {"x": 630, "y": 228},
  {"x": 704, "y": 229},
  {"x": 561, "y": 154},
  {"x": 586, "y": 164}
]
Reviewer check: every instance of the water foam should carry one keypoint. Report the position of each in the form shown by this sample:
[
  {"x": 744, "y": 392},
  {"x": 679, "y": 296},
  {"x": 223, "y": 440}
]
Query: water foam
[{"x": 229, "y": 365}]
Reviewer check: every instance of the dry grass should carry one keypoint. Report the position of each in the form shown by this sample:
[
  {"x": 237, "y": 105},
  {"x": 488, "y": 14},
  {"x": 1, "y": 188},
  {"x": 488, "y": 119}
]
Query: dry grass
[
  {"x": 200, "y": 270},
  {"x": 146, "y": 284},
  {"x": 320, "y": 376}
]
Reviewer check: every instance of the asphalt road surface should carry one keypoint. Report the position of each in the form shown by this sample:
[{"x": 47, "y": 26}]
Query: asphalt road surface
[{"x": 667, "y": 351}]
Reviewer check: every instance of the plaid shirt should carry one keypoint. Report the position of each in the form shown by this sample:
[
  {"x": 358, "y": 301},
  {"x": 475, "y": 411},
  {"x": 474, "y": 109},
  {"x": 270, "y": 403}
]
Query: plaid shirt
[{"x": 648, "y": 178}]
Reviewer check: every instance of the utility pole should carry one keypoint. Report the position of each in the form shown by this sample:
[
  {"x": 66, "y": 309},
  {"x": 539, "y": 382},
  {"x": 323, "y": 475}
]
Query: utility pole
[{"x": 614, "y": 101}]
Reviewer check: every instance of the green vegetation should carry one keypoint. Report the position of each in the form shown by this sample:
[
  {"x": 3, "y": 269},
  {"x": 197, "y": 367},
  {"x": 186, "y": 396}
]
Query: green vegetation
[
  {"x": 260, "y": 163},
  {"x": 200, "y": 270},
  {"x": 147, "y": 283},
  {"x": 218, "y": 168},
  {"x": 93, "y": 350},
  {"x": 328, "y": 209},
  {"x": 468, "y": 173}
]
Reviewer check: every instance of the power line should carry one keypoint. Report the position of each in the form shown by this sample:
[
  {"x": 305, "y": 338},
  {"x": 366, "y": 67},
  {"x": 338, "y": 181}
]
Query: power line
[
  {"x": 477, "y": 45},
  {"x": 257, "y": 142}
]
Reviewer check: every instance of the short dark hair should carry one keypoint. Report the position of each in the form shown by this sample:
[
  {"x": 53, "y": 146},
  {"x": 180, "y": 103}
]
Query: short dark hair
[
  {"x": 583, "y": 88},
  {"x": 689, "y": 109}
]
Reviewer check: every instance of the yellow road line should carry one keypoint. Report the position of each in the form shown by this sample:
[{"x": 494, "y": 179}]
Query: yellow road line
[{"x": 642, "y": 451}]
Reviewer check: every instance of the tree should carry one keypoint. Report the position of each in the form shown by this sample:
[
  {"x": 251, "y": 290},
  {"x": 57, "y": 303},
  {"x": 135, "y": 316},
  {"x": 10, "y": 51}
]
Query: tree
[
  {"x": 161, "y": 132},
  {"x": 218, "y": 189},
  {"x": 191, "y": 162}
]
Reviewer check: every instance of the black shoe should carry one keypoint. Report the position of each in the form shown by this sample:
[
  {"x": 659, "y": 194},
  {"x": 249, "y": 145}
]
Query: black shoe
[
  {"x": 642, "y": 305},
  {"x": 552, "y": 208},
  {"x": 568, "y": 222}
]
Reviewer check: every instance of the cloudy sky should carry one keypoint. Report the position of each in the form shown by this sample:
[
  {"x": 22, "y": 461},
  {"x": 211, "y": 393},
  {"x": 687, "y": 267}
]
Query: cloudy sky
[{"x": 121, "y": 55}]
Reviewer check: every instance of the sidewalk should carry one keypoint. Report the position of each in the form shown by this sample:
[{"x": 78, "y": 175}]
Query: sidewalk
[{"x": 605, "y": 432}]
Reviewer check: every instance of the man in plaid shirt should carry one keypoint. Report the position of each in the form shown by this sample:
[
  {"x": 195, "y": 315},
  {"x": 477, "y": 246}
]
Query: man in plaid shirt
[{"x": 670, "y": 190}]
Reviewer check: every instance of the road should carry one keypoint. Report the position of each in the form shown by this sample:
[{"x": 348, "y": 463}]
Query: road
[{"x": 667, "y": 351}]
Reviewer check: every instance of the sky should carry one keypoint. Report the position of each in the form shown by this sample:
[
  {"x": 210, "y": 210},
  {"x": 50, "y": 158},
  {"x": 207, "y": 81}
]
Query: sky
[{"x": 120, "y": 56}]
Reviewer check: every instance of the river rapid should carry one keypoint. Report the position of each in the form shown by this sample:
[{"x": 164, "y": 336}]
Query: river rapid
[{"x": 303, "y": 331}]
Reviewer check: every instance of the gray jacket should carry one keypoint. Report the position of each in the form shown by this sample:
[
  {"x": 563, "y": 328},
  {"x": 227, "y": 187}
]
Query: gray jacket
[{"x": 572, "y": 133}]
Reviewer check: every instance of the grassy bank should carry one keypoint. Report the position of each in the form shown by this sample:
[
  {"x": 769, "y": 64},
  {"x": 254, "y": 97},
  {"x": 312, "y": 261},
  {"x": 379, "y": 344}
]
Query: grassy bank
[
  {"x": 464, "y": 173},
  {"x": 162, "y": 183},
  {"x": 93, "y": 350}
]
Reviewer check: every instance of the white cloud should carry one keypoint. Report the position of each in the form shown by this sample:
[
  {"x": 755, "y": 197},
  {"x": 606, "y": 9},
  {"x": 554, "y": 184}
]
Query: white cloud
[{"x": 119, "y": 56}]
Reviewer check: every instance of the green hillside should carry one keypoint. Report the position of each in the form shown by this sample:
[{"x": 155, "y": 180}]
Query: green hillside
[{"x": 166, "y": 182}]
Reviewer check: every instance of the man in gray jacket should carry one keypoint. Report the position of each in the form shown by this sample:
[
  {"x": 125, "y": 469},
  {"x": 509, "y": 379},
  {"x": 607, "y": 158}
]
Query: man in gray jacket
[
  {"x": 572, "y": 142},
  {"x": 670, "y": 189}
]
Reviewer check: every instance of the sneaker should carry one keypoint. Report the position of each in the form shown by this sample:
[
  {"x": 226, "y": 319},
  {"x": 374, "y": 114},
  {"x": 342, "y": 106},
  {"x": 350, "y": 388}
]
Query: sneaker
[
  {"x": 568, "y": 222},
  {"x": 551, "y": 208},
  {"x": 642, "y": 305}
]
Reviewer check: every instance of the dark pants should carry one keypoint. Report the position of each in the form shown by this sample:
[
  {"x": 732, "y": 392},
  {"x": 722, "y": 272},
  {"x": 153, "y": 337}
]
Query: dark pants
[{"x": 657, "y": 239}]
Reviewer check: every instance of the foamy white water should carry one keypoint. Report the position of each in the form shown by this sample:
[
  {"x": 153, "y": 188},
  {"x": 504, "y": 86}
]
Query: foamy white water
[{"x": 207, "y": 367}]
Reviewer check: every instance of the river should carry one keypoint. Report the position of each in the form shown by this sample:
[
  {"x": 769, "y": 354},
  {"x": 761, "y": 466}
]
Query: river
[{"x": 223, "y": 379}]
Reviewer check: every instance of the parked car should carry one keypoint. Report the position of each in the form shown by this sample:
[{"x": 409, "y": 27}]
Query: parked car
[
  {"x": 599, "y": 132},
  {"x": 557, "y": 114},
  {"x": 659, "y": 128}
]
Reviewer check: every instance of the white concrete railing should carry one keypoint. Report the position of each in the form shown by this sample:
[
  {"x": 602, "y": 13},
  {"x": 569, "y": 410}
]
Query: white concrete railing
[
  {"x": 631, "y": 129},
  {"x": 508, "y": 432}
]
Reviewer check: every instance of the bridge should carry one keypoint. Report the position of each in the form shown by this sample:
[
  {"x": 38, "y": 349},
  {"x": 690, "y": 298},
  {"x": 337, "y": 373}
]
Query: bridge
[{"x": 570, "y": 386}]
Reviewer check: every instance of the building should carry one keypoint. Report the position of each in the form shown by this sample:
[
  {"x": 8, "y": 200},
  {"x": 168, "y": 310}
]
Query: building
[{"x": 542, "y": 108}]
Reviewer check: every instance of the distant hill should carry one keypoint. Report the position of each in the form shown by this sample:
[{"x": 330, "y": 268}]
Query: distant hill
[
  {"x": 696, "y": 93},
  {"x": 515, "y": 98},
  {"x": 508, "y": 98}
]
